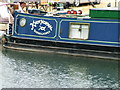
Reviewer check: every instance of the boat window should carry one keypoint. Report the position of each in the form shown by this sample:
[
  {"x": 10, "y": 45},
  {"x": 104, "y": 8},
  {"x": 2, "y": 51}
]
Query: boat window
[{"x": 79, "y": 31}]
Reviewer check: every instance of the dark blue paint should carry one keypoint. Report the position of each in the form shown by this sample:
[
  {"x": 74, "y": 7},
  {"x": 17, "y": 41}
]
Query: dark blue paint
[
  {"x": 102, "y": 30},
  {"x": 27, "y": 28}
]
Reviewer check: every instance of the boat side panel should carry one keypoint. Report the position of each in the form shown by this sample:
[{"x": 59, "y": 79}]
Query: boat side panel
[
  {"x": 101, "y": 32},
  {"x": 35, "y": 27}
]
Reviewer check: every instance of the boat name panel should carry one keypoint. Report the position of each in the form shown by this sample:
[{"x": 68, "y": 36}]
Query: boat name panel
[{"x": 44, "y": 27}]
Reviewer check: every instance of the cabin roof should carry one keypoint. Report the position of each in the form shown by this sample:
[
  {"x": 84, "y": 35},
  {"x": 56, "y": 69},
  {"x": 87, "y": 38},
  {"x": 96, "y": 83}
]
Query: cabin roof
[
  {"x": 107, "y": 9},
  {"x": 111, "y": 13}
]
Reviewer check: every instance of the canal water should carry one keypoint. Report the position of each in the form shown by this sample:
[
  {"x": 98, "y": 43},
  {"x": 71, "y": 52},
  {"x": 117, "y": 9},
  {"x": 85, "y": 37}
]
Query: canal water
[{"x": 22, "y": 69}]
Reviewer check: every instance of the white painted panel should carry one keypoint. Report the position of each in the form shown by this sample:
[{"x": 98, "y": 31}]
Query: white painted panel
[
  {"x": 74, "y": 31},
  {"x": 84, "y": 32},
  {"x": 75, "y": 26},
  {"x": 80, "y": 31}
]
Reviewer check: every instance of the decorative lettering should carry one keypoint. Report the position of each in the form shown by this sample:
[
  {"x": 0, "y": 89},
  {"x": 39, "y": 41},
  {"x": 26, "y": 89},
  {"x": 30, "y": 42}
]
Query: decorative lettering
[{"x": 44, "y": 27}]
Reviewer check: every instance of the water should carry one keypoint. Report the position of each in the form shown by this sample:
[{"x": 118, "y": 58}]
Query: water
[{"x": 49, "y": 70}]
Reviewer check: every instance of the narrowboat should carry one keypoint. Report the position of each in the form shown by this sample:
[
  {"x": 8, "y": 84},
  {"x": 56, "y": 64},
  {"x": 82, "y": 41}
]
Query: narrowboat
[{"x": 93, "y": 35}]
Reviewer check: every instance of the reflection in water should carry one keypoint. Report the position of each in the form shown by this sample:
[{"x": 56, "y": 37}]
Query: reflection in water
[{"x": 48, "y": 70}]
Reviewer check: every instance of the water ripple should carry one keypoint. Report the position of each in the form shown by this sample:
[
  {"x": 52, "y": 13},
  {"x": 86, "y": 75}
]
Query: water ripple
[{"x": 42, "y": 70}]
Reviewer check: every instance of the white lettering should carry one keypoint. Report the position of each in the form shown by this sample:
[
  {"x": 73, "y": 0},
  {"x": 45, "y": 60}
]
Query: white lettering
[{"x": 42, "y": 27}]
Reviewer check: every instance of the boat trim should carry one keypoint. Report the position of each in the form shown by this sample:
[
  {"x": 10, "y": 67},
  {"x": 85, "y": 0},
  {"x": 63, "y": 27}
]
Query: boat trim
[
  {"x": 53, "y": 50},
  {"x": 72, "y": 40},
  {"x": 15, "y": 27},
  {"x": 86, "y": 43},
  {"x": 81, "y": 39}
]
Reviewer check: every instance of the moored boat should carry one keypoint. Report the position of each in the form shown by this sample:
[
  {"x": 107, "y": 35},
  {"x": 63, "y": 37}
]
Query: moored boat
[{"x": 96, "y": 35}]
